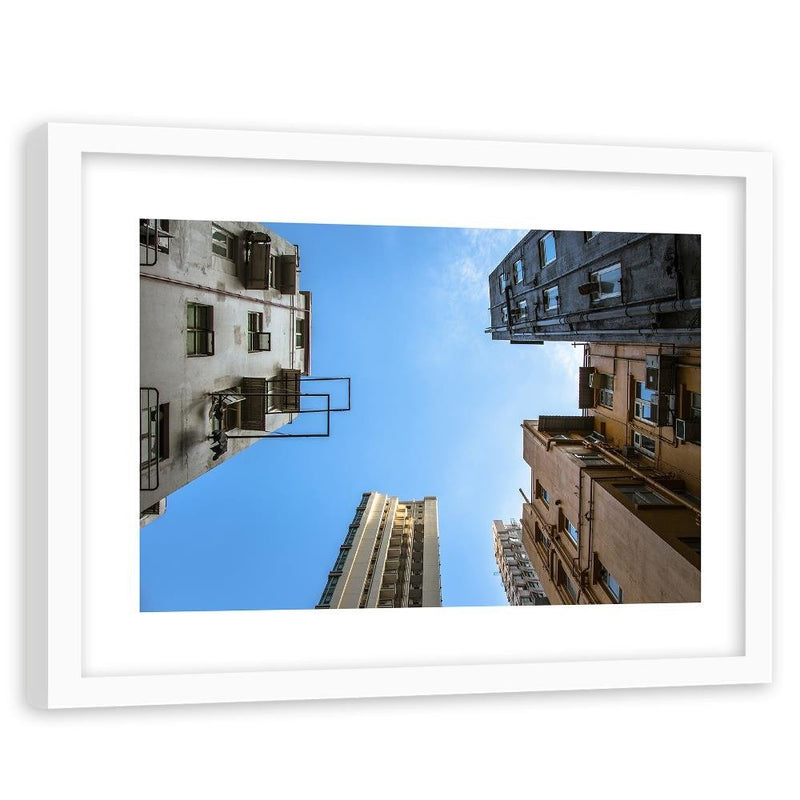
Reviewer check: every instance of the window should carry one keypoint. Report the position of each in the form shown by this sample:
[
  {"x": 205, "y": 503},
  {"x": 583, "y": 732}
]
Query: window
[
  {"x": 570, "y": 530},
  {"x": 591, "y": 459},
  {"x": 589, "y": 235},
  {"x": 566, "y": 584},
  {"x": 339, "y": 565},
  {"x": 351, "y": 533},
  {"x": 199, "y": 330},
  {"x": 223, "y": 243},
  {"x": 550, "y": 298},
  {"x": 502, "y": 281},
  {"x": 519, "y": 271},
  {"x": 644, "y": 444},
  {"x": 154, "y": 433},
  {"x": 605, "y": 384},
  {"x": 227, "y": 415},
  {"x": 272, "y": 280},
  {"x": 257, "y": 338},
  {"x": 504, "y": 314},
  {"x": 642, "y": 494},
  {"x": 543, "y": 494},
  {"x": 327, "y": 592},
  {"x": 609, "y": 582},
  {"x": 540, "y": 538},
  {"x": 694, "y": 406},
  {"x": 154, "y": 233},
  {"x": 606, "y": 285},
  {"x": 521, "y": 311},
  {"x": 299, "y": 332},
  {"x": 645, "y": 404},
  {"x": 547, "y": 249}
]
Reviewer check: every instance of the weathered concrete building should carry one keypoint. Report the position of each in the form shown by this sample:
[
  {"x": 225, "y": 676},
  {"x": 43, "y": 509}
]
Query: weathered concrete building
[
  {"x": 614, "y": 508},
  {"x": 520, "y": 581},
  {"x": 389, "y": 557},
  {"x": 598, "y": 286},
  {"x": 224, "y": 345}
]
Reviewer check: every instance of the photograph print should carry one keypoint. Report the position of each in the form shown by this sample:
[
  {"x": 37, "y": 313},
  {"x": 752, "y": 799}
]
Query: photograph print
[{"x": 461, "y": 417}]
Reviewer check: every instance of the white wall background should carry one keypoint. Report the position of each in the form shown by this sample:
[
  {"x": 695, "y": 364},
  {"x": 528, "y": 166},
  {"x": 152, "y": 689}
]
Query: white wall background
[{"x": 611, "y": 73}]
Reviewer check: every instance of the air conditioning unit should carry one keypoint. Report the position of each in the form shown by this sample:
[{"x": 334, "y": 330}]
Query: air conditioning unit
[
  {"x": 651, "y": 372},
  {"x": 687, "y": 430},
  {"x": 659, "y": 374}
]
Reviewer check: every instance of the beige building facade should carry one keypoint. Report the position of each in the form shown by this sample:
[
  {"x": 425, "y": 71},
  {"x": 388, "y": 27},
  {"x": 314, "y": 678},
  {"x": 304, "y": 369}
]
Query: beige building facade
[
  {"x": 613, "y": 514},
  {"x": 389, "y": 558}
]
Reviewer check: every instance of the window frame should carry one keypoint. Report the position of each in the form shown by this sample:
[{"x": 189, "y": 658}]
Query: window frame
[
  {"x": 585, "y": 458},
  {"x": 551, "y": 292},
  {"x": 160, "y": 238},
  {"x": 597, "y": 297},
  {"x": 564, "y": 584},
  {"x": 649, "y": 497},
  {"x": 196, "y": 329},
  {"x": 542, "y": 494},
  {"x": 605, "y": 394},
  {"x": 156, "y": 435},
  {"x": 518, "y": 271},
  {"x": 543, "y": 261},
  {"x": 299, "y": 332},
  {"x": 565, "y": 526},
  {"x": 645, "y": 404},
  {"x": 255, "y": 334},
  {"x": 542, "y": 540},
  {"x": 230, "y": 245},
  {"x": 694, "y": 406},
  {"x": 608, "y": 582},
  {"x": 640, "y": 448}
]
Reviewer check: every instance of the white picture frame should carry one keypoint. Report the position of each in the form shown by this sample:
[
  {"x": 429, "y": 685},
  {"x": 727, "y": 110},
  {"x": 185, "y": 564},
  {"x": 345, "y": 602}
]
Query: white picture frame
[{"x": 87, "y": 643}]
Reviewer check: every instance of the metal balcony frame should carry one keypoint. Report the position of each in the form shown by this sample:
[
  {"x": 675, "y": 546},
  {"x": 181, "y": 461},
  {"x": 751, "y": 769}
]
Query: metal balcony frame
[{"x": 328, "y": 410}]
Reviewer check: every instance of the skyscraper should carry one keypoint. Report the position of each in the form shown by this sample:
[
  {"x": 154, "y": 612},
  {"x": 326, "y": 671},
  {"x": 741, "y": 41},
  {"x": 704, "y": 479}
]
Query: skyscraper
[
  {"x": 522, "y": 584},
  {"x": 389, "y": 558}
]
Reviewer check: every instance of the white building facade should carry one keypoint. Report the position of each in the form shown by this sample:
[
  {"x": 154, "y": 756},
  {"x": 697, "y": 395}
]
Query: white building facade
[{"x": 225, "y": 337}]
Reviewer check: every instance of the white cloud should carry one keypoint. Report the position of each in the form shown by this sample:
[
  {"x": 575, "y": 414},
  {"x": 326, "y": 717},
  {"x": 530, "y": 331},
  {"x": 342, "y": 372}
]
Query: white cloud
[{"x": 460, "y": 278}]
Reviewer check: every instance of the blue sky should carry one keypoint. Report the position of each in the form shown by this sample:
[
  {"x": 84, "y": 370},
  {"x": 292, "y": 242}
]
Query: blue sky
[{"x": 436, "y": 410}]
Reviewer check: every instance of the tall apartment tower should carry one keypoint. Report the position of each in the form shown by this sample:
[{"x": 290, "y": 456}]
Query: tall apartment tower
[
  {"x": 614, "y": 508},
  {"x": 225, "y": 346},
  {"x": 389, "y": 558},
  {"x": 522, "y": 584},
  {"x": 598, "y": 286}
]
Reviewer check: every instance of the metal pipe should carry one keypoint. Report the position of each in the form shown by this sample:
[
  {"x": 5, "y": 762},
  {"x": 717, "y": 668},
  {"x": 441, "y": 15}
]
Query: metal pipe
[
  {"x": 630, "y": 310},
  {"x": 225, "y": 292},
  {"x": 611, "y": 334}
]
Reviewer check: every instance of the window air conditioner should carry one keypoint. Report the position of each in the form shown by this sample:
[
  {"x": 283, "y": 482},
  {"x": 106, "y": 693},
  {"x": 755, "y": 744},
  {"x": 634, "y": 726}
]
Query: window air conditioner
[{"x": 687, "y": 430}]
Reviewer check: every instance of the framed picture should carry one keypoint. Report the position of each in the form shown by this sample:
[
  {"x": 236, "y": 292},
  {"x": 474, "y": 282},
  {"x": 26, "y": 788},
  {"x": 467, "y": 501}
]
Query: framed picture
[{"x": 96, "y": 634}]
